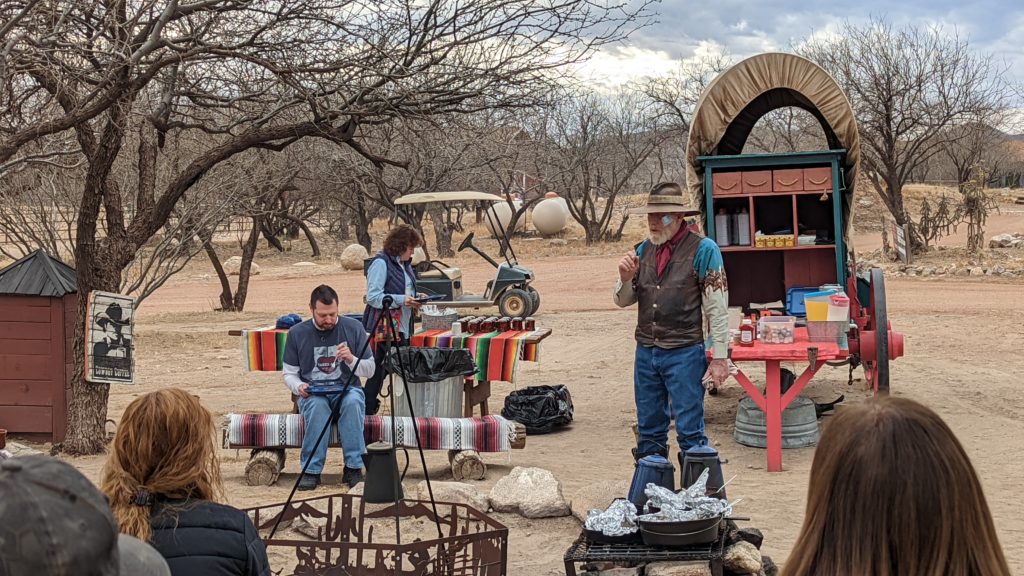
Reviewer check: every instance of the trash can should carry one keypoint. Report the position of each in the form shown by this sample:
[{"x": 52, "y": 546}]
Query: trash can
[{"x": 434, "y": 380}]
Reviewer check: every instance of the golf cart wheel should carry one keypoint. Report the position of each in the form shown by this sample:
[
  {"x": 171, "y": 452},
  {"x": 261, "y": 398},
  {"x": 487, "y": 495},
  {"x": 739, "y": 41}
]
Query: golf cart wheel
[
  {"x": 535, "y": 300},
  {"x": 515, "y": 302}
]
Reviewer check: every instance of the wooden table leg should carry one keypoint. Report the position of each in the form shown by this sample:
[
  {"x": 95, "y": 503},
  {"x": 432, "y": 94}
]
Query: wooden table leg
[{"x": 773, "y": 415}]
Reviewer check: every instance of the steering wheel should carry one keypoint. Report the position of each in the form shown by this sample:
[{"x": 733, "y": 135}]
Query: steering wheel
[{"x": 466, "y": 242}]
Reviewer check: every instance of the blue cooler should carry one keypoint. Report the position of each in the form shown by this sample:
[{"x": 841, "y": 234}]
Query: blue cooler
[{"x": 654, "y": 469}]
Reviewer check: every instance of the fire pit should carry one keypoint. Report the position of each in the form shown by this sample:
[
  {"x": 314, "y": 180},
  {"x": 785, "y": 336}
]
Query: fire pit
[
  {"x": 584, "y": 551},
  {"x": 345, "y": 536}
]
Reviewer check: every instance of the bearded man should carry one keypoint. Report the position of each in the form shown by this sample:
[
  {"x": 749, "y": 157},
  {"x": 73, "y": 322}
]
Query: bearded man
[{"x": 678, "y": 280}]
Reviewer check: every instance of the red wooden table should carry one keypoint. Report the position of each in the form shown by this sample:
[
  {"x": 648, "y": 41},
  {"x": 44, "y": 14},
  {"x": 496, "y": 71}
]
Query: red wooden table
[{"x": 772, "y": 402}]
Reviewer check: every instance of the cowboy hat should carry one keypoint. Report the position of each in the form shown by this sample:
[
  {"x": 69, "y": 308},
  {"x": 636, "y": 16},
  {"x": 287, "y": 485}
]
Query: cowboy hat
[
  {"x": 112, "y": 315},
  {"x": 665, "y": 198}
]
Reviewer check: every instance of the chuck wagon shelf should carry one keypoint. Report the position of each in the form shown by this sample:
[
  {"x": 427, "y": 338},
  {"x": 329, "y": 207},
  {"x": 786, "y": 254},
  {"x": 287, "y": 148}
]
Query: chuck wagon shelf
[{"x": 789, "y": 216}]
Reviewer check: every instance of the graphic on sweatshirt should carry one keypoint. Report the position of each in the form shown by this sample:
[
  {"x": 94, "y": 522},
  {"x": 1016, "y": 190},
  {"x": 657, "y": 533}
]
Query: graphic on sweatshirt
[{"x": 326, "y": 365}]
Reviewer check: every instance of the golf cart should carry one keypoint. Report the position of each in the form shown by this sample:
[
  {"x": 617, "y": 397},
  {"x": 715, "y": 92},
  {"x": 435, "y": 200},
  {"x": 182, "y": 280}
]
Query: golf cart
[{"x": 510, "y": 290}]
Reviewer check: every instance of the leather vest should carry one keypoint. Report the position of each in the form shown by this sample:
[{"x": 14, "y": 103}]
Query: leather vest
[{"x": 670, "y": 307}]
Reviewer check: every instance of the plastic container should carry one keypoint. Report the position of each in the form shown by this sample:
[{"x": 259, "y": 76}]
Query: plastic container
[
  {"x": 430, "y": 399},
  {"x": 722, "y": 228},
  {"x": 839, "y": 308},
  {"x": 816, "y": 305},
  {"x": 747, "y": 332},
  {"x": 826, "y": 331},
  {"x": 777, "y": 329},
  {"x": 795, "y": 301},
  {"x": 743, "y": 228}
]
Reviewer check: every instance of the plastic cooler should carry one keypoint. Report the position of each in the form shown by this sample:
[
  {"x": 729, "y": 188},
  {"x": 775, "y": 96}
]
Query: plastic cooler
[{"x": 795, "y": 300}]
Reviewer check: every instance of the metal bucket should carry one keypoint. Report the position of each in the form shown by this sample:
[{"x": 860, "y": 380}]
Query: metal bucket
[
  {"x": 799, "y": 424},
  {"x": 442, "y": 399}
]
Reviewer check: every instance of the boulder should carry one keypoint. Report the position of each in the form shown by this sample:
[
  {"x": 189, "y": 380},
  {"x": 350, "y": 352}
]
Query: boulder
[
  {"x": 677, "y": 569},
  {"x": 742, "y": 558},
  {"x": 1006, "y": 240},
  {"x": 768, "y": 566},
  {"x": 304, "y": 264},
  {"x": 752, "y": 535},
  {"x": 233, "y": 266},
  {"x": 458, "y": 492},
  {"x": 352, "y": 257},
  {"x": 598, "y": 495},
  {"x": 531, "y": 492},
  {"x": 977, "y": 271}
]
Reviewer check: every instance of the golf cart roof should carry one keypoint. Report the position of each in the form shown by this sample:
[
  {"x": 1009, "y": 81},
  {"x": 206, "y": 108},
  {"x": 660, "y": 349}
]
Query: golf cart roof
[{"x": 463, "y": 196}]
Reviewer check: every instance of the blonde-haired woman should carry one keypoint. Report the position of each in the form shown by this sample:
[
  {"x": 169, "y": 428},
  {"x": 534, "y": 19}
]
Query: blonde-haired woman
[
  {"x": 163, "y": 481},
  {"x": 892, "y": 493}
]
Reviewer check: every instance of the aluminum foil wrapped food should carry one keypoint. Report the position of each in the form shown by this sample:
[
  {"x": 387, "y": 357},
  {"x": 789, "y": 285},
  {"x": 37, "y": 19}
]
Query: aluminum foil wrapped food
[
  {"x": 618, "y": 520},
  {"x": 689, "y": 504}
]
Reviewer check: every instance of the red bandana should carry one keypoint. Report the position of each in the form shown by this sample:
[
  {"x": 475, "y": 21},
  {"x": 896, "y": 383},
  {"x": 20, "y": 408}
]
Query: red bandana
[{"x": 664, "y": 252}]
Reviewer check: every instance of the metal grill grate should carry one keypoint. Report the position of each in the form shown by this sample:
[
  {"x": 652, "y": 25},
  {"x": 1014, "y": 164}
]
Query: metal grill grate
[{"x": 583, "y": 550}]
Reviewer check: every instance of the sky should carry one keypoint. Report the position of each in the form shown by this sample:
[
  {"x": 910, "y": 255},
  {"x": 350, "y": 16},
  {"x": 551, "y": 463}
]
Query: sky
[{"x": 685, "y": 29}]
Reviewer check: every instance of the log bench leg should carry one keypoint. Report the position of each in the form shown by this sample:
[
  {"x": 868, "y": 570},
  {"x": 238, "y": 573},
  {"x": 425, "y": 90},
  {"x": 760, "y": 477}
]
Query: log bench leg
[
  {"x": 467, "y": 465},
  {"x": 264, "y": 466}
]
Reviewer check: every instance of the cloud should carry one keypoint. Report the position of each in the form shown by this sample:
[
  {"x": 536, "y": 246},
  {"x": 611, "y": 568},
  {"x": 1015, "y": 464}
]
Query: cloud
[{"x": 742, "y": 28}]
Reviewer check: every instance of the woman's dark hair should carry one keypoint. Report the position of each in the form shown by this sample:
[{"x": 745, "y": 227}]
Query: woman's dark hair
[
  {"x": 893, "y": 493},
  {"x": 400, "y": 239}
]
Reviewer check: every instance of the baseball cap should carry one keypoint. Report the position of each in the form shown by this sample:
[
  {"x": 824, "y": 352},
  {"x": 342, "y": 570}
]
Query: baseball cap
[{"x": 54, "y": 521}]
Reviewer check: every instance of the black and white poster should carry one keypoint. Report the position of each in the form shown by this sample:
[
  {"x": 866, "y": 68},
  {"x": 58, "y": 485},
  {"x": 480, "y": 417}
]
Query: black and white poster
[{"x": 109, "y": 357}]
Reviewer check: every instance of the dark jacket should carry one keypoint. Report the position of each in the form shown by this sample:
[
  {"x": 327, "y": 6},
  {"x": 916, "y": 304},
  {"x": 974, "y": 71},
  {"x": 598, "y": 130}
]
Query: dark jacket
[
  {"x": 202, "y": 538},
  {"x": 670, "y": 306}
]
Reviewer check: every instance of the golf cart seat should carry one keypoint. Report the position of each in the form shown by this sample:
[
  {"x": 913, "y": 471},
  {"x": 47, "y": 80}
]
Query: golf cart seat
[{"x": 439, "y": 272}]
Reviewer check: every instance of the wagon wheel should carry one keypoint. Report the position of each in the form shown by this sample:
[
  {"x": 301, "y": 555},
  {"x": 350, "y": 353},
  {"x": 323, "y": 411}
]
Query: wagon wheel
[{"x": 877, "y": 370}]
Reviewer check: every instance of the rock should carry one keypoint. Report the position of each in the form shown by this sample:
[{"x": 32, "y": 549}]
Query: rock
[
  {"x": 677, "y": 569},
  {"x": 532, "y": 492},
  {"x": 558, "y": 242},
  {"x": 928, "y": 271},
  {"x": 598, "y": 495},
  {"x": 304, "y": 264},
  {"x": 977, "y": 271},
  {"x": 751, "y": 535},
  {"x": 352, "y": 257},
  {"x": 458, "y": 492},
  {"x": 742, "y": 558},
  {"x": 1006, "y": 240},
  {"x": 768, "y": 566},
  {"x": 310, "y": 527},
  {"x": 963, "y": 272},
  {"x": 233, "y": 266},
  {"x": 617, "y": 572}
]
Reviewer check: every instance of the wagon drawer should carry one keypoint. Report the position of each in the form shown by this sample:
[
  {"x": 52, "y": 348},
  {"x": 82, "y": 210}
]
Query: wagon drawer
[
  {"x": 757, "y": 181},
  {"x": 726, "y": 183},
  {"x": 817, "y": 179},
  {"x": 788, "y": 180}
]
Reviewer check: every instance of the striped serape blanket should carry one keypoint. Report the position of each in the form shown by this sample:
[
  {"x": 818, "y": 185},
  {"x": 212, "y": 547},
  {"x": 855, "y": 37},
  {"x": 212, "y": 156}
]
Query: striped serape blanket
[
  {"x": 263, "y": 350},
  {"x": 483, "y": 434},
  {"x": 497, "y": 354}
]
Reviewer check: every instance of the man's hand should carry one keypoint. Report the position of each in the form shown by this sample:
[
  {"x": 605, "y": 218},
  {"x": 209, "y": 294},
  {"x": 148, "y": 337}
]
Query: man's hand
[
  {"x": 628, "y": 267},
  {"x": 302, "y": 390},
  {"x": 719, "y": 370},
  {"x": 344, "y": 354},
  {"x": 413, "y": 303}
]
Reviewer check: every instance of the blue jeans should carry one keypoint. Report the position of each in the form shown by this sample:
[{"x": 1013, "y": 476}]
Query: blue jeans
[
  {"x": 660, "y": 375},
  {"x": 316, "y": 411}
]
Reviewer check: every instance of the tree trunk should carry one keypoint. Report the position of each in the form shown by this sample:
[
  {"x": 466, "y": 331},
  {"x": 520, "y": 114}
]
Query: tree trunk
[
  {"x": 442, "y": 233},
  {"x": 226, "y": 298},
  {"x": 246, "y": 270},
  {"x": 363, "y": 225},
  {"x": 305, "y": 230}
]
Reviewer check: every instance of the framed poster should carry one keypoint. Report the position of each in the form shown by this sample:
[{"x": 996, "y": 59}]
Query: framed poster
[{"x": 109, "y": 342}]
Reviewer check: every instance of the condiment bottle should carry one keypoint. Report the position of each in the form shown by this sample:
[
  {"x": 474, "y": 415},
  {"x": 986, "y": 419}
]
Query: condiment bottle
[
  {"x": 747, "y": 333},
  {"x": 529, "y": 323}
]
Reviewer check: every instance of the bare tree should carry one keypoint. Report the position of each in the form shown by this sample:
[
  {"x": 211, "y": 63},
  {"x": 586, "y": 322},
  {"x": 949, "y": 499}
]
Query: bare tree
[
  {"x": 676, "y": 95},
  {"x": 232, "y": 75},
  {"x": 592, "y": 150},
  {"x": 908, "y": 86}
]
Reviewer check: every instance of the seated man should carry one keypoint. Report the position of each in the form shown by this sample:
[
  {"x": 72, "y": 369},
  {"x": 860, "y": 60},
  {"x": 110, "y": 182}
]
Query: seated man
[{"x": 321, "y": 351}]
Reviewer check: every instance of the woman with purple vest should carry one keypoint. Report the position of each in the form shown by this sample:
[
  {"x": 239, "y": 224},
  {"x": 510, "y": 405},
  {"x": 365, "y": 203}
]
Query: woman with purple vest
[{"x": 390, "y": 274}]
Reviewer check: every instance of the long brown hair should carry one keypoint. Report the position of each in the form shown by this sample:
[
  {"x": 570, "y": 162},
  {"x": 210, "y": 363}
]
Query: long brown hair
[
  {"x": 892, "y": 493},
  {"x": 164, "y": 448}
]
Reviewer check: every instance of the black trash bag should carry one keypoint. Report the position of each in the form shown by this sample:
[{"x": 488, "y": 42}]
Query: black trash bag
[
  {"x": 539, "y": 408},
  {"x": 430, "y": 364}
]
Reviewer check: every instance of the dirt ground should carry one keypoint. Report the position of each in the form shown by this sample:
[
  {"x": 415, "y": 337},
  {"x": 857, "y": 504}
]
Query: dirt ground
[{"x": 964, "y": 354}]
